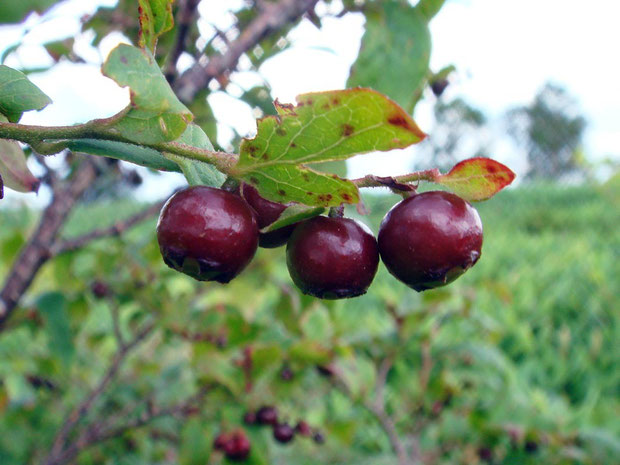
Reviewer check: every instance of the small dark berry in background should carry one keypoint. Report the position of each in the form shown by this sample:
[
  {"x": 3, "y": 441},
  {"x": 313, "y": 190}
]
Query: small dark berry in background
[
  {"x": 531, "y": 447},
  {"x": 286, "y": 373},
  {"x": 238, "y": 447},
  {"x": 100, "y": 289},
  {"x": 283, "y": 433},
  {"x": 220, "y": 441},
  {"x": 485, "y": 454},
  {"x": 324, "y": 370},
  {"x": 439, "y": 86},
  {"x": 303, "y": 429},
  {"x": 249, "y": 418},
  {"x": 318, "y": 438},
  {"x": 267, "y": 415}
]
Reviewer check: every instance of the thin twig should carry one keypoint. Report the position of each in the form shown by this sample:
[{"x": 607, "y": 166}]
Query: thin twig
[
  {"x": 271, "y": 18},
  {"x": 37, "y": 250},
  {"x": 378, "y": 409},
  {"x": 397, "y": 182},
  {"x": 81, "y": 410},
  {"x": 103, "y": 431},
  {"x": 185, "y": 18},
  {"x": 116, "y": 229}
]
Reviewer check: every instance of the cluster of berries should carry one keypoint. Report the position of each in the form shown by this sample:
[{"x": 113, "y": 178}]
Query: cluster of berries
[
  {"x": 426, "y": 240},
  {"x": 236, "y": 445}
]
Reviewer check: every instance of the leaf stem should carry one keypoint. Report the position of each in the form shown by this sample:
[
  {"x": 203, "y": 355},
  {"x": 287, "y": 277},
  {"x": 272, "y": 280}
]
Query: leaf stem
[
  {"x": 399, "y": 183},
  {"x": 49, "y": 140}
]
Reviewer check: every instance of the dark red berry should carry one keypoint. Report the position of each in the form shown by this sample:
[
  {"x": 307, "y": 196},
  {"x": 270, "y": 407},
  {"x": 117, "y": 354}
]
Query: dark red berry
[
  {"x": 267, "y": 415},
  {"x": 439, "y": 86},
  {"x": 207, "y": 233},
  {"x": 485, "y": 454},
  {"x": 220, "y": 441},
  {"x": 325, "y": 370},
  {"x": 531, "y": 447},
  {"x": 303, "y": 428},
  {"x": 100, "y": 289},
  {"x": 318, "y": 438},
  {"x": 249, "y": 418},
  {"x": 283, "y": 433},
  {"x": 429, "y": 240},
  {"x": 266, "y": 213},
  {"x": 286, "y": 374},
  {"x": 238, "y": 447},
  {"x": 332, "y": 258}
]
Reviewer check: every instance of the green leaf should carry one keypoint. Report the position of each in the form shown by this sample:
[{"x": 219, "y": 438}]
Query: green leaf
[
  {"x": 195, "y": 444},
  {"x": 155, "y": 114},
  {"x": 324, "y": 126},
  {"x": 18, "y": 94},
  {"x": 155, "y": 19},
  {"x": 309, "y": 352},
  {"x": 394, "y": 53},
  {"x": 16, "y": 11},
  {"x": 14, "y": 170},
  {"x": 477, "y": 179},
  {"x": 293, "y": 214},
  {"x": 197, "y": 172},
  {"x": 53, "y": 308},
  {"x": 429, "y": 8},
  {"x": 139, "y": 155}
]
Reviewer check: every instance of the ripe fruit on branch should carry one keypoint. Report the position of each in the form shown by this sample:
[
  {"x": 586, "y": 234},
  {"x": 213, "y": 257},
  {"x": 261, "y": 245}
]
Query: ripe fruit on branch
[
  {"x": 429, "y": 240},
  {"x": 235, "y": 445},
  {"x": 266, "y": 213},
  {"x": 206, "y": 233},
  {"x": 332, "y": 258},
  {"x": 283, "y": 433},
  {"x": 267, "y": 415}
]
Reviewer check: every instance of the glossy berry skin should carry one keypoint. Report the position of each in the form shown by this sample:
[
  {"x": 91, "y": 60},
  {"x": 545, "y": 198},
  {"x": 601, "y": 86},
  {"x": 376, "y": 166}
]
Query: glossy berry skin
[
  {"x": 332, "y": 258},
  {"x": 283, "y": 433},
  {"x": 266, "y": 213},
  {"x": 238, "y": 446},
  {"x": 430, "y": 239},
  {"x": 206, "y": 233},
  {"x": 267, "y": 416}
]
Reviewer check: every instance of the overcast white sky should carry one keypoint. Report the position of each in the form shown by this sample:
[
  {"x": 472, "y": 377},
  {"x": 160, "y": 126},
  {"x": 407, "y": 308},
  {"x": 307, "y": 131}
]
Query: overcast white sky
[{"x": 504, "y": 51}]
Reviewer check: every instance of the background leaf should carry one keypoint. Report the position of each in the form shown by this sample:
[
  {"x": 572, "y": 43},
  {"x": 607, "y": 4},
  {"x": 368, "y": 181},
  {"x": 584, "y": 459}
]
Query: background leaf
[
  {"x": 16, "y": 11},
  {"x": 155, "y": 19},
  {"x": 477, "y": 179},
  {"x": 324, "y": 126},
  {"x": 197, "y": 172},
  {"x": 137, "y": 154},
  {"x": 394, "y": 53},
  {"x": 156, "y": 114},
  {"x": 53, "y": 308},
  {"x": 18, "y": 94}
]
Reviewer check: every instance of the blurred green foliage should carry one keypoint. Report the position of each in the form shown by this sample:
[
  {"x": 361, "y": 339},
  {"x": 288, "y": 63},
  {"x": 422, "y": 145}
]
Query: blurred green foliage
[{"x": 513, "y": 363}]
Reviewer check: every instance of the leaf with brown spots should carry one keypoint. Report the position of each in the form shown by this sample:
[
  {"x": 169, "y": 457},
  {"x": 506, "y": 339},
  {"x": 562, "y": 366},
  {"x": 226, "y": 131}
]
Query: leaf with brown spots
[
  {"x": 323, "y": 126},
  {"x": 477, "y": 179},
  {"x": 155, "y": 19}
]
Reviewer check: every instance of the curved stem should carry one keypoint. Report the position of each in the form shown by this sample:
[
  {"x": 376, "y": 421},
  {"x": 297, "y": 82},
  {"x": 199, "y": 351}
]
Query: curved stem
[
  {"x": 53, "y": 139},
  {"x": 397, "y": 182}
]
